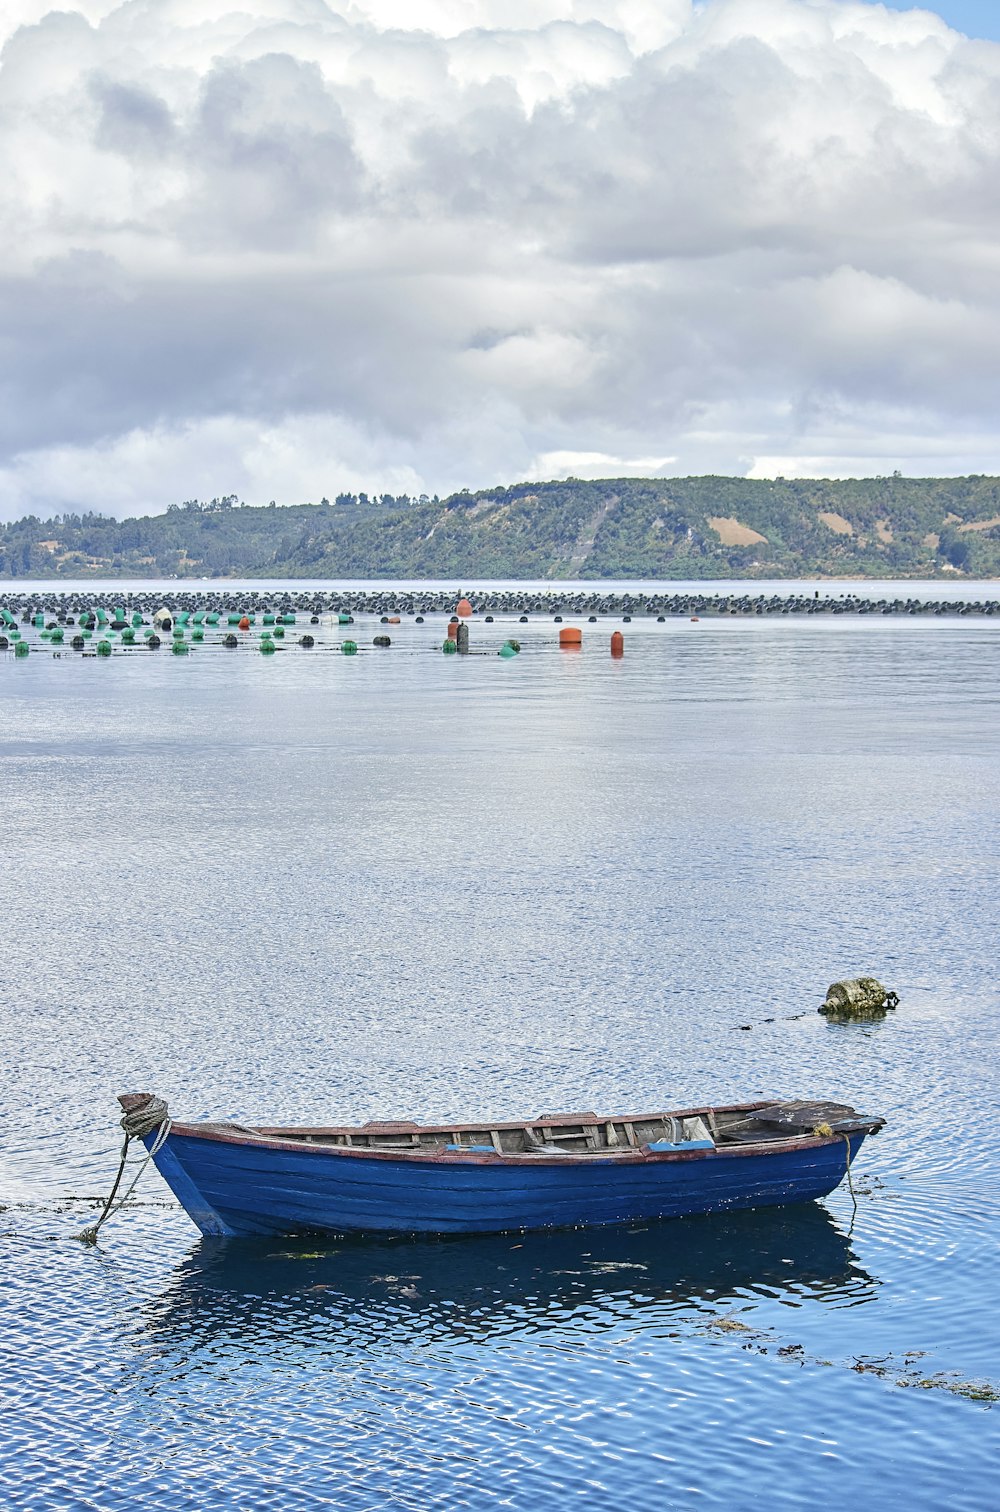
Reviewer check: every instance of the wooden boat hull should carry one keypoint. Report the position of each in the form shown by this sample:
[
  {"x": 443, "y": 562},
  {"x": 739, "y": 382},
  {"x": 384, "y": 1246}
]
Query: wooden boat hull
[{"x": 243, "y": 1185}]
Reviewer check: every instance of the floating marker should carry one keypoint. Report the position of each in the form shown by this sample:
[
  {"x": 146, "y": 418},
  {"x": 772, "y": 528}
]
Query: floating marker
[
  {"x": 464, "y": 608},
  {"x": 21, "y": 648},
  {"x": 179, "y": 648},
  {"x": 450, "y": 645},
  {"x": 104, "y": 648},
  {"x": 617, "y": 643},
  {"x": 350, "y": 648},
  {"x": 571, "y": 636}
]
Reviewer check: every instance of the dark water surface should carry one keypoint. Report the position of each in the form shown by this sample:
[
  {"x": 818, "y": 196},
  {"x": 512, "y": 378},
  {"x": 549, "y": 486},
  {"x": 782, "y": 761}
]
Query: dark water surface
[{"x": 315, "y": 888}]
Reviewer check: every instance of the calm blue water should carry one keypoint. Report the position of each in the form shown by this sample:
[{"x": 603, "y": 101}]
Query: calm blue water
[{"x": 317, "y": 888}]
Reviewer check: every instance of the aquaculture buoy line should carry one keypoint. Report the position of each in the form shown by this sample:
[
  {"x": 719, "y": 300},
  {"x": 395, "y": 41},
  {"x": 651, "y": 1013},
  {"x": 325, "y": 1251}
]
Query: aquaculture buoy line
[
  {"x": 213, "y": 619},
  {"x": 96, "y": 630},
  {"x": 220, "y": 607}
]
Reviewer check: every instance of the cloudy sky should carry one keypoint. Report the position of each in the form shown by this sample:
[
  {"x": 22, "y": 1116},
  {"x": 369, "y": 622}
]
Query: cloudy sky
[{"x": 284, "y": 247}]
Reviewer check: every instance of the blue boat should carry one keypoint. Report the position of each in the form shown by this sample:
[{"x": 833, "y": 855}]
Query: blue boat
[{"x": 569, "y": 1170}]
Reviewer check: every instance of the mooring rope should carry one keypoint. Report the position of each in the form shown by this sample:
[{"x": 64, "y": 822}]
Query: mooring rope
[
  {"x": 137, "y": 1124},
  {"x": 850, "y": 1179},
  {"x": 825, "y": 1131}
]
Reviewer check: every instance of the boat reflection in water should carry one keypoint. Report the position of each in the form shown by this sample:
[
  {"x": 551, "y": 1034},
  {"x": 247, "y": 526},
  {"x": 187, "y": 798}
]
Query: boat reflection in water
[{"x": 472, "y": 1289}]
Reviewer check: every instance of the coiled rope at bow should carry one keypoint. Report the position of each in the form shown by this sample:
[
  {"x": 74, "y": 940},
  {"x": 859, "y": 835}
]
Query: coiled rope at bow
[{"x": 137, "y": 1124}]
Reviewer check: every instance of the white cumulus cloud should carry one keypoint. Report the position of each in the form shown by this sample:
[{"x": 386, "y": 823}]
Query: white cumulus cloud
[{"x": 284, "y": 247}]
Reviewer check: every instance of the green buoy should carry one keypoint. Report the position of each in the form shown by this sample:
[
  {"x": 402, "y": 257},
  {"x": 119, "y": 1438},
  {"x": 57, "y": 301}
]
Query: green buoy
[
  {"x": 449, "y": 647},
  {"x": 104, "y": 648},
  {"x": 350, "y": 648}
]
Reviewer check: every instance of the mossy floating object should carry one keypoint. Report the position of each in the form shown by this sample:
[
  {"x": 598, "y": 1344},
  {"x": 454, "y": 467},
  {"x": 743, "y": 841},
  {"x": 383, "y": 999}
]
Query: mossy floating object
[{"x": 858, "y": 998}]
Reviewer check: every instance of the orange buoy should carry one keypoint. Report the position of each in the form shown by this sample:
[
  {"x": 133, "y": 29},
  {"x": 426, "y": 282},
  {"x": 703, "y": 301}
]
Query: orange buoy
[
  {"x": 393, "y": 619},
  {"x": 464, "y": 608},
  {"x": 244, "y": 624},
  {"x": 571, "y": 635},
  {"x": 452, "y": 629},
  {"x": 617, "y": 644},
  {"x": 694, "y": 619}
]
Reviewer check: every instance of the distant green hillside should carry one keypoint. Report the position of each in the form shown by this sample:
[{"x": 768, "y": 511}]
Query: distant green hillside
[{"x": 615, "y": 528}]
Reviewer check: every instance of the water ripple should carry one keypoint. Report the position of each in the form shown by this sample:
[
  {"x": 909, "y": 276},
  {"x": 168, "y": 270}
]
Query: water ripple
[{"x": 407, "y": 888}]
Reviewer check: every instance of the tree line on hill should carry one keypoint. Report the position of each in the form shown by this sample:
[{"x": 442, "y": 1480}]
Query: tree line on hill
[{"x": 703, "y": 527}]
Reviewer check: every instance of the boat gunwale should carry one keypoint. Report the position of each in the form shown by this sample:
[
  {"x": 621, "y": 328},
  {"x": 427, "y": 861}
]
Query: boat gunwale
[{"x": 309, "y": 1140}]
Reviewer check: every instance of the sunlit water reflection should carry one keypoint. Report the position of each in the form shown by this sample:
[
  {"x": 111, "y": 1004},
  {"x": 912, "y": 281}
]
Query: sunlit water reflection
[{"x": 309, "y": 887}]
